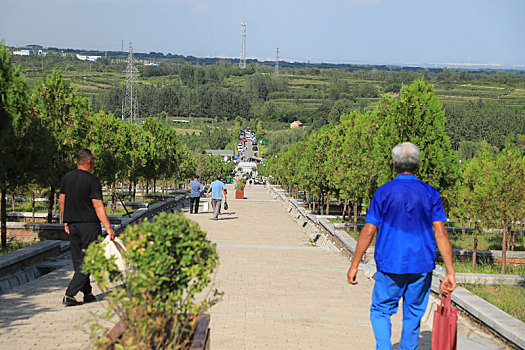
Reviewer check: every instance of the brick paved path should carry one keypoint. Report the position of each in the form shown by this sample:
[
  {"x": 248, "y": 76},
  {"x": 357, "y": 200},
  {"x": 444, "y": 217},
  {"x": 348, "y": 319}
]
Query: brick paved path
[
  {"x": 32, "y": 315},
  {"x": 280, "y": 292}
]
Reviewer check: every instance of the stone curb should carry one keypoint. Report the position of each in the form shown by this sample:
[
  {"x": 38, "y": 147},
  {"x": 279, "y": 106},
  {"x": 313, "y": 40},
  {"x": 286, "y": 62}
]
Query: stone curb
[
  {"x": 501, "y": 323},
  {"x": 482, "y": 278}
]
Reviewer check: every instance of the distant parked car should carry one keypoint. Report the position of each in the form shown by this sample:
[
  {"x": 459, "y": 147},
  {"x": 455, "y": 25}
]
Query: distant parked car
[{"x": 254, "y": 148}]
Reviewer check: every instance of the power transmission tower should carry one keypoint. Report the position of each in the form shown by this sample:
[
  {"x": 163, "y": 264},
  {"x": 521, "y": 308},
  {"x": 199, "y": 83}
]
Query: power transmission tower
[
  {"x": 242, "y": 61},
  {"x": 277, "y": 62},
  {"x": 130, "y": 105}
]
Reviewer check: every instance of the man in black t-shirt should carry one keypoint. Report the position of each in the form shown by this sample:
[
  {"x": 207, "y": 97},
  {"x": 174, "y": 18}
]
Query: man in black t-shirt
[{"x": 83, "y": 210}]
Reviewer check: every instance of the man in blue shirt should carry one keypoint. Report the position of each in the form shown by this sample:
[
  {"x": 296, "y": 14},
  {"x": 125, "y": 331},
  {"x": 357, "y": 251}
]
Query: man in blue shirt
[
  {"x": 411, "y": 219},
  {"x": 195, "y": 194},
  {"x": 218, "y": 189}
]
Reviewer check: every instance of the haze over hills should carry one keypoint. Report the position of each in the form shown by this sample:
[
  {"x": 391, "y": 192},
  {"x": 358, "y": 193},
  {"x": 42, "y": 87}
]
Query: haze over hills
[{"x": 284, "y": 60}]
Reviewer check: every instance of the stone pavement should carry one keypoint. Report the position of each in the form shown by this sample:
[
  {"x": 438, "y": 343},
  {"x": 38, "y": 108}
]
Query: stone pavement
[
  {"x": 32, "y": 315},
  {"x": 280, "y": 292}
]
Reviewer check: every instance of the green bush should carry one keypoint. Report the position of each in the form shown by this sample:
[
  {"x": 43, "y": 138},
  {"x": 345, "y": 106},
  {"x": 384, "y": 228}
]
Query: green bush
[
  {"x": 240, "y": 184},
  {"x": 171, "y": 261}
]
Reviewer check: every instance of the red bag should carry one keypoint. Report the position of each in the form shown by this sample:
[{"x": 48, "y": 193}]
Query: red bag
[{"x": 444, "y": 330}]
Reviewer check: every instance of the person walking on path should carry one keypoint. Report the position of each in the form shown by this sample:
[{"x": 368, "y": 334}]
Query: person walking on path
[
  {"x": 410, "y": 217},
  {"x": 82, "y": 208},
  {"x": 218, "y": 190},
  {"x": 195, "y": 194}
]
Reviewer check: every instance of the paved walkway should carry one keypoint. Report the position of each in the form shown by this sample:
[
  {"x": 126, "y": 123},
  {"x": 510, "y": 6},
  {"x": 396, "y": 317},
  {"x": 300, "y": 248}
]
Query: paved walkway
[
  {"x": 32, "y": 315},
  {"x": 280, "y": 292}
]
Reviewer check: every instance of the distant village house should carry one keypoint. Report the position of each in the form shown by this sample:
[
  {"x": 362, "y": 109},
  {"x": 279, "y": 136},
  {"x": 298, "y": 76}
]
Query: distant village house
[
  {"x": 296, "y": 124},
  {"x": 21, "y": 53},
  {"x": 226, "y": 155},
  {"x": 88, "y": 58}
]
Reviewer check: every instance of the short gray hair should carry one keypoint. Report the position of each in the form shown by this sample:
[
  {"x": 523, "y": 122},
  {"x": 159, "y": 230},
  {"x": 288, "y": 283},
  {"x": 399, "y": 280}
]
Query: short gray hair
[{"x": 406, "y": 157}]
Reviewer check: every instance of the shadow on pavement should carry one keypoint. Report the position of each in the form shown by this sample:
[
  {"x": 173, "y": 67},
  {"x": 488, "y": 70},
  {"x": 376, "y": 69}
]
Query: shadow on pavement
[
  {"x": 425, "y": 341},
  {"x": 21, "y": 303}
]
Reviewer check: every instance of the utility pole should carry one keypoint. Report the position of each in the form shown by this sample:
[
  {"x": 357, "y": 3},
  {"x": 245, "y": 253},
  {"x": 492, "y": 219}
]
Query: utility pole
[
  {"x": 242, "y": 61},
  {"x": 277, "y": 62},
  {"x": 130, "y": 105}
]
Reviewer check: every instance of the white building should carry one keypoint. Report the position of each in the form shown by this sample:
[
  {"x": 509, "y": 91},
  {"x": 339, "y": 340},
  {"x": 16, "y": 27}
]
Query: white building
[
  {"x": 88, "y": 58},
  {"x": 21, "y": 53},
  {"x": 225, "y": 154}
]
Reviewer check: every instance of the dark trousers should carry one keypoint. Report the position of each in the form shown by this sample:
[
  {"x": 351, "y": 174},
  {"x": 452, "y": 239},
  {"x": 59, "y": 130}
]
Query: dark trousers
[
  {"x": 194, "y": 201},
  {"x": 81, "y": 235}
]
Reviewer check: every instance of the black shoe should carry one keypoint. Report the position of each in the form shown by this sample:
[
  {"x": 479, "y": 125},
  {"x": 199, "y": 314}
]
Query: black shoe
[
  {"x": 70, "y": 301},
  {"x": 89, "y": 298}
]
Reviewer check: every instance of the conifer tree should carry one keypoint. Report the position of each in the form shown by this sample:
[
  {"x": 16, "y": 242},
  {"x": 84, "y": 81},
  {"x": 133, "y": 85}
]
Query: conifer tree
[{"x": 417, "y": 117}]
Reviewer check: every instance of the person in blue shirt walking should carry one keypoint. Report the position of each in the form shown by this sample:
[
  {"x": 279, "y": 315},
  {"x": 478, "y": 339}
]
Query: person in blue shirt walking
[
  {"x": 218, "y": 190},
  {"x": 195, "y": 194},
  {"x": 410, "y": 218}
]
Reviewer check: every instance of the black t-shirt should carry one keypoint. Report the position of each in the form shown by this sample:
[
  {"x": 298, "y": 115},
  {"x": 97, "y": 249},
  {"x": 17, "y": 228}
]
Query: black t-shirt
[{"x": 80, "y": 187}]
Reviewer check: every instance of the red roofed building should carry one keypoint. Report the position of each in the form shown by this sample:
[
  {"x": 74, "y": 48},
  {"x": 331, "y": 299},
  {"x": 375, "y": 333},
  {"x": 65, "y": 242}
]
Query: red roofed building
[{"x": 296, "y": 124}]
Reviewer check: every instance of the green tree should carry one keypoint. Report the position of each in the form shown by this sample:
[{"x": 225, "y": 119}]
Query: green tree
[
  {"x": 507, "y": 188},
  {"x": 355, "y": 173},
  {"x": 417, "y": 117},
  {"x": 23, "y": 140},
  {"x": 65, "y": 114},
  {"x": 496, "y": 190},
  {"x": 473, "y": 197},
  {"x": 109, "y": 139}
]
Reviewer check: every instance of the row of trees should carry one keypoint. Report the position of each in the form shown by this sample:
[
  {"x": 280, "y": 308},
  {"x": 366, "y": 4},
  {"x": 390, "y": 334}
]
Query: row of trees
[
  {"x": 41, "y": 133},
  {"x": 352, "y": 159},
  {"x": 222, "y": 91}
]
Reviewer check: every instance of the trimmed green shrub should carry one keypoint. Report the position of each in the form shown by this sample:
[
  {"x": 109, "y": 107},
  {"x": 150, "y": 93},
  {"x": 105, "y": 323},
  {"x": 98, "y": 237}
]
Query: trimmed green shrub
[{"x": 171, "y": 260}]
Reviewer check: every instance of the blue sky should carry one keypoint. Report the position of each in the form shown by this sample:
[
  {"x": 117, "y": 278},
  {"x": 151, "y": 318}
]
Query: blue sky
[{"x": 367, "y": 31}]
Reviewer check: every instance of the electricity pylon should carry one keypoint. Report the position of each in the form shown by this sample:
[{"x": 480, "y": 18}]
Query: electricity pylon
[
  {"x": 242, "y": 61},
  {"x": 130, "y": 104}
]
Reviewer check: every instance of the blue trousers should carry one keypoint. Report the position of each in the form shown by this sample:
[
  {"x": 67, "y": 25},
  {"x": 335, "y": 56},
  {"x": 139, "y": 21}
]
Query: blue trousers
[{"x": 388, "y": 290}]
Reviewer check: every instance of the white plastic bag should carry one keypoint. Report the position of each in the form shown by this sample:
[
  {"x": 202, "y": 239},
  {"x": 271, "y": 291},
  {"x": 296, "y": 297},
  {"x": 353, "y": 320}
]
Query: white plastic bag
[
  {"x": 205, "y": 207},
  {"x": 116, "y": 248}
]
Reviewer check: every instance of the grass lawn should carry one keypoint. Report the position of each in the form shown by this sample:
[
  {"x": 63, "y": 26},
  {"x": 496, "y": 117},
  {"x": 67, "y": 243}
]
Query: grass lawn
[
  {"x": 356, "y": 237},
  {"x": 40, "y": 207},
  {"x": 487, "y": 267},
  {"x": 507, "y": 298},
  {"x": 486, "y": 241}
]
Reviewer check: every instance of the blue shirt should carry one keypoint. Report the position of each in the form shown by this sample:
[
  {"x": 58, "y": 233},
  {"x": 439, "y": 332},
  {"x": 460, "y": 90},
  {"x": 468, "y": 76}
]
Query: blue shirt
[
  {"x": 196, "y": 188},
  {"x": 404, "y": 210},
  {"x": 216, "y": 189}
]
